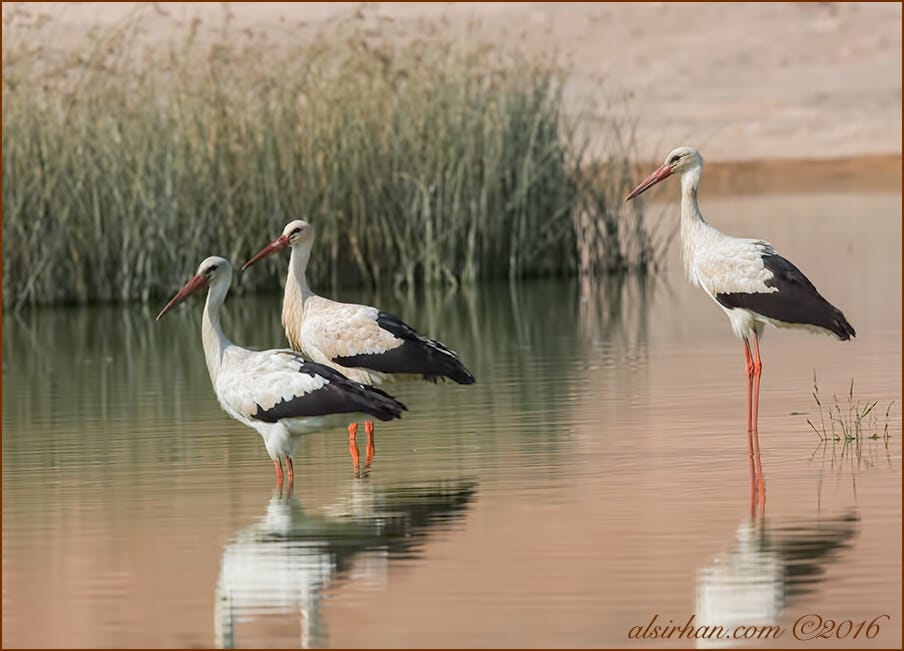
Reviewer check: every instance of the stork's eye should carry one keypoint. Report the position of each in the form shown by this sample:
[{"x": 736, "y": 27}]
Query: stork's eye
[
  {"x": 674, "y": 159},
  {"x": 295, "y": 231},
  {"x": 210, "y": 270}
]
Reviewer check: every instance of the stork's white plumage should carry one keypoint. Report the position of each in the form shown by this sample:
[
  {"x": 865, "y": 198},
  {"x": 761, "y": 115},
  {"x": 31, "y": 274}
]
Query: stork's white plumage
[
  {"x": 752, "y": 283},
  {"x": 364, "y": 343},
  {"x": 276, "y": 392}
]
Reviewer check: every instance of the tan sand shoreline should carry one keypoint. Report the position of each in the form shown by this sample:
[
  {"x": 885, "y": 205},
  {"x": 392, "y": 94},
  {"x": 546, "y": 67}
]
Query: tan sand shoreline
[
  {"x": 869, "y": 173},
  {"x": 743, "y": 82},
  {"x": 819, "y": 109}
]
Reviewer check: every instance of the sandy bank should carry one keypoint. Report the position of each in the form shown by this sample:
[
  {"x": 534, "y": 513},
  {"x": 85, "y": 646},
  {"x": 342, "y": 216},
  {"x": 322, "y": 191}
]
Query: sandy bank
[{"x": 743, "y": 82}]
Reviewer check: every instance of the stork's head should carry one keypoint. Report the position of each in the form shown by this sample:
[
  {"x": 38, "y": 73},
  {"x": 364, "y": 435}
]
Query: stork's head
[
  {"x": 682, "y": 160},
  {"x": 298, "y": 232},
  {"x": 213, "y": 272}
]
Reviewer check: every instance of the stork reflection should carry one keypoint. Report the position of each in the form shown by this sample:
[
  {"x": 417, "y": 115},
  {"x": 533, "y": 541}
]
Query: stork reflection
[
  {"x": 767, "y": 566},
  {"x": 281, "y": 565}
]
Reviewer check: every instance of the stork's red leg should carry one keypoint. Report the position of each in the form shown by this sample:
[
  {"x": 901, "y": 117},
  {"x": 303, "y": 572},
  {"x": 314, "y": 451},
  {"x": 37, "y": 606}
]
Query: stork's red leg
[
  {"x": 749, "y": 373},
  {"x": 290, "y": 469},
  {"x": 753, "y": 367},
  {"x": 278, "y": 466},
  {"x": 371, "y": 448},
  {"x": 748, "y": 358},
  {"x": 757, "y": 372},
  {"x": 353, "y": 445}
]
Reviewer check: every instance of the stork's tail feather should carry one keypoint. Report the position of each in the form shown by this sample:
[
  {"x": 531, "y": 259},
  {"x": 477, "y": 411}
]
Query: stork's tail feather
[
  {"x": 443, "y": 362},
  {"x": 447, "y": 365},
  {"x": 461, "y": 375},
  {"x": 381, "y": 405},
  {"x": 840, "y": 326},
  {"x": 387, "y": 396}
]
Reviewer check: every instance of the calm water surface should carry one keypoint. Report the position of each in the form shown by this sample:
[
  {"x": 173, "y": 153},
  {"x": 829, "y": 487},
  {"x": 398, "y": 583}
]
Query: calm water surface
[{"x": 595, "y": 476}]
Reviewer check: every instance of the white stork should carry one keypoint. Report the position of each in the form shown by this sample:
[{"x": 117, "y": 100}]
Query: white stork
[
  {"x": 363, "y": 342},
  {"x": 752, "y": 283},
  {"x": 276, "y": 392}
]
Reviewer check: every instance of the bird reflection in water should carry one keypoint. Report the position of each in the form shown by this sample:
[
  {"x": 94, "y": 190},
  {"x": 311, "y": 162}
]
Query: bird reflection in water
[
  {"x": 281, "y": 565},
  {"x": 757, "y": 479},
  {"x": 766, "y": 567}
]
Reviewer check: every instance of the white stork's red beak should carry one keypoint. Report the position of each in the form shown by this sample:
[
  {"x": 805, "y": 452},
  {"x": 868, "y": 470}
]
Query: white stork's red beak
[
  {"x": 278, "y": 244},
  {"x": 194, "y": 284},
  {"x": 662, "y": 172}
]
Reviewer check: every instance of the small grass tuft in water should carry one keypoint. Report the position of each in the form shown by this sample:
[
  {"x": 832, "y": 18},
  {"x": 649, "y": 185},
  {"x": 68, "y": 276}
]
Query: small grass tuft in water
[{"x": 849, "y": 420}]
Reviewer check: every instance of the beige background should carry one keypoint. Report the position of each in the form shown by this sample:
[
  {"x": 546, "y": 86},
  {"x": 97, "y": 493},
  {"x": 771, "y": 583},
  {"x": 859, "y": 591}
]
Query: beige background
[{"x": 743, "y": 81}]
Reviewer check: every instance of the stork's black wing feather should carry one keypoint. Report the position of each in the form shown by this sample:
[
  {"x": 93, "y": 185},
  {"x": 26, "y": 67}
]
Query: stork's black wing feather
[
  {"x": 797, "y": 301},
  {"x": 339, "y": 395},
  {"x": 417, "y": 355}
]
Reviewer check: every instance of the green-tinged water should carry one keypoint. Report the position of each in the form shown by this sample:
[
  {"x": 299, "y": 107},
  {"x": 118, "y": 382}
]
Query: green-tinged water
[{"x": 596, "y": 476}]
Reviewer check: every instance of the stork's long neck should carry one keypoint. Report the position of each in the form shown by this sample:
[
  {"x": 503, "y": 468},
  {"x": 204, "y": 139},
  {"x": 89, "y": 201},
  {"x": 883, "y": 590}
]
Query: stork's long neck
[
  {"x": 215, "y": 342},
  {"x": 694, "y": 229},
  {"x": 690, "y": 211},
  {"x": 297, "y": 290}
]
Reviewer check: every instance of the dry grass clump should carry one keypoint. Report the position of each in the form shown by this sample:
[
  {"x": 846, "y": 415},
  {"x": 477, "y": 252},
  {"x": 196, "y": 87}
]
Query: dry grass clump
[{"x": 855, "y": 420}]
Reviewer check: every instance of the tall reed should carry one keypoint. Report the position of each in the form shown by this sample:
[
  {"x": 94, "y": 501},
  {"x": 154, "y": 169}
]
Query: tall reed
[{"x": 419, "y": 158}]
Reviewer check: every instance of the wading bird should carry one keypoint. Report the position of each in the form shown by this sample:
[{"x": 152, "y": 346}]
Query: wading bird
[
  {"x": 364, "y": 343},
  {"x": 276, "y": 392},
  {"x": 753, "y": 284}
]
